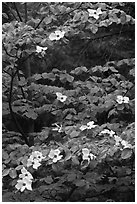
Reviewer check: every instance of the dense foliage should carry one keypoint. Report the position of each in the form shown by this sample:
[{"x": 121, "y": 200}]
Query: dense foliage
[{"x": 68, "y": 101}]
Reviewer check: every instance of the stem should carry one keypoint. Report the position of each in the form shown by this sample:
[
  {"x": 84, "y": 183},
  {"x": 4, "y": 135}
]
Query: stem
[
  {"x": 40, "y": 22},
  {"x": 26, "y": 15},
  {"x": 21, "y": 86},
  {"x": 12, "y": 113},
  {"x": 17, "y": 12},
  {"x": 8, "y": 53}
]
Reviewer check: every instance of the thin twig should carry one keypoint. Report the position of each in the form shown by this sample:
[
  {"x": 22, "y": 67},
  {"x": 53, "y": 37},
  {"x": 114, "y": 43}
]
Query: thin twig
[
  {"x": 11, "y": 11},
  {"x": 26, "y": 15},
  {"x": 17, "y": 12},
  {"x": 40, "y": 22},
  {"x": 8, "y": 53},
  {"x": 12, "y": 113}
]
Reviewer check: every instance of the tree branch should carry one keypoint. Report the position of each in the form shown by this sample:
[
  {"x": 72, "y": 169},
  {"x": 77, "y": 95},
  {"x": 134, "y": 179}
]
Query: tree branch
[
  {"x": 26, "y": 15},
  {"x": 8, "y": 53},
  {"x": 12, "y": 113},
  {"x": 17, "y": 12},
  {"x": 40, "y": 22}
]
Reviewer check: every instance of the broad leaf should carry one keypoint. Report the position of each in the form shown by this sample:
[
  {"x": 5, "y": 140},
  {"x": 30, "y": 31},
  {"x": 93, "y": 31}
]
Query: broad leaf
[{"x": 126, "y": 153}]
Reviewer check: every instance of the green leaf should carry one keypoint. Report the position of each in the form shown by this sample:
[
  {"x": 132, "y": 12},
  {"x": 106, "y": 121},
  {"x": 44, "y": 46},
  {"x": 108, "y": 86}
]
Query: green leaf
[
  {"x": 84, "y": 17},
  {"x": 69, "y": 117},
  {"x": 48, "y": 179},
  {"x": 68, "y": 155},
  {"x": 5, "y": 172},
  {"x": 37, "y": 76},
  {"x": 71, "y": 177},
  {"x": 113, "y": 69},
  {"x": 80, "y": 183},
  {"x": 63, "y": 78},
  {"x": 13, "y": 173},
  {"x": 19, "y": 167},
  {"x": 75, "y": 160},
  {"x": 74, "y": 133},
  {"x": 70, "y": 78},
  {"x": 105, "y": 23},
  {"x": 94, "y": 28},
  {"x": 84, "y": 164},
  {"x": 4, "y": 155},
  {"x": 123, "y": 18},
  {"x": 31, "y": 114},
  {"x": 48, "y": 20},
  {"x": 69, "y": 129},
  {"x": 113, "y": 18},
  {"x": 77, "y": 16},
  {"x": 79, "y": 70},
  {"x": 126, "y": 153},
  {"x": 22, "y": 82}
]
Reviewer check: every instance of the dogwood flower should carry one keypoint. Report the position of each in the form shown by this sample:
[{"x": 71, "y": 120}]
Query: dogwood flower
[
  {"x": 40, "y": 49},
  {"x": 117, "y": 139},
  {"x": 61, "y": 97},
  {"x": 83, "y": 127},
  {"x": 106, "y": 131},
  {"x": 58, "y": 128},
  {"x": 35, "y": 159},
  {"x": 89, "y": 125},
  {"x": 25, "y": 174},
  {"x": 33, "y": 162},
  {"x": 126, "y": 99},
  {"x": 87, "y": 155},
  {"x": 37, "y": 155},
  {"x": 126, "y": 144},
  {"x": 55, "y": 155},
  {"x": 95, "y": 13},
  {"x": 23, "y": 184},
  {"x": 120, "y": 99},
  {"x": 57, "y": 35}
]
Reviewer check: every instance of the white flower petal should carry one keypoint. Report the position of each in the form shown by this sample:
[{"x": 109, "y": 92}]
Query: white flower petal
[
  {"x": 99, "y": 11},
  {"x": 56, "y": 151},
  {"x": 22, "y": 189},
  {"x": 85, "y": 151},
  {"x": 52, "y": 36},
  {"x": 119, "y": 99},
  {"x": 91, "y": 12},
  {"x": 83, "y": 127},
  {"x": 92, "y": 156},
  {"x": 126, "y": 99},
  {"x": 36, "y": 165},
  {"x": 38, "y": 49}
]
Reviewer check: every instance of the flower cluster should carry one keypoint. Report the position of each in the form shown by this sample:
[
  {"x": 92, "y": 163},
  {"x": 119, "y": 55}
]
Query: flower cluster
[
  {"x": 89, "y": 125},
  {"x": 60, "y": 97},
  {"x": 25, "y": 180},
  {"x": 86, "y": 155},
  {"x": 106, "y": 131},
  {"x": 55, "y": 155},
  {"x": 35, "y": 159},
  {"x": 120, "y": 99},
  {"x": 95, "y": 13},
  {"x": 57, "y": 35}
]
